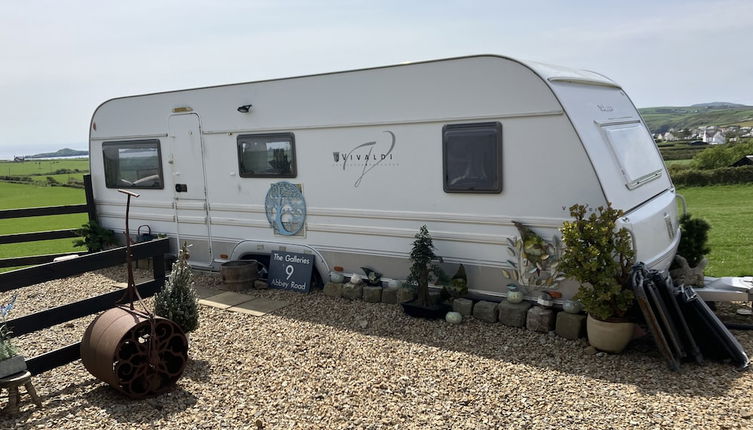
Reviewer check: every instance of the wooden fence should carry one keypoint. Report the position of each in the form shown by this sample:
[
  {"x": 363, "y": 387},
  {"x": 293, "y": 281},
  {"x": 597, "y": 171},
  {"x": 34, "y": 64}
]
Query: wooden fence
[
  {"x": 89, "y": 208},
  {"x": 14, "y": 280}
]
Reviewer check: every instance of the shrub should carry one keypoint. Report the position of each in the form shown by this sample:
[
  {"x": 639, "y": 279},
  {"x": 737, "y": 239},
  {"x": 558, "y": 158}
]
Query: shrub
[
  {"x": 600, "y": 259},
  {"x": 177, "y": 301},
  {"x": 721, "y": 176},
  {"x": 694, "y": 239},
  {"x": 94, "y": 237},
  {"x": 722, "y": 155}
]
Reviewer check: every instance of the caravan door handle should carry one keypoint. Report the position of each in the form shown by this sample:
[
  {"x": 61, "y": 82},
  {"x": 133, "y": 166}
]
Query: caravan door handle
[{"x": 181, "y": 188}]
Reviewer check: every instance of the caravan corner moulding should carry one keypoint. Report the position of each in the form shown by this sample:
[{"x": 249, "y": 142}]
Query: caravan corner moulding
[{"x": 347, "y": 166}]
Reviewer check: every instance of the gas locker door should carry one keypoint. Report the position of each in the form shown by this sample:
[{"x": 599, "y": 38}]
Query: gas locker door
[{"x": 189, "y": 187}]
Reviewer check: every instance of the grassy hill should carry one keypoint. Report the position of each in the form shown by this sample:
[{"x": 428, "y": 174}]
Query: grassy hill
[{"x": 661, "y": 119}]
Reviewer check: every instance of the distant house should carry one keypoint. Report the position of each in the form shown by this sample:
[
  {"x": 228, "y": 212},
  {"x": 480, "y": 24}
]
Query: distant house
[
  {"x": 745, "y": 161},
  {"x": 669, "y": 137},
  {"x": 19, "y": 158},
  {"x": 713, "y": 136}
]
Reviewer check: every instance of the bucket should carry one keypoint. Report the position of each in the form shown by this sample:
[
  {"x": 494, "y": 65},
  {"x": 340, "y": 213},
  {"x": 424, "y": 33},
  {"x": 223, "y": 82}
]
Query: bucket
[
  {"x": 239, "y": 275},
  {"x": 116, "y": 349}
]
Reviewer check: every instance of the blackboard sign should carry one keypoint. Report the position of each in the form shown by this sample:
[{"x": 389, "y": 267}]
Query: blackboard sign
[{"x": 290, "y": 271}]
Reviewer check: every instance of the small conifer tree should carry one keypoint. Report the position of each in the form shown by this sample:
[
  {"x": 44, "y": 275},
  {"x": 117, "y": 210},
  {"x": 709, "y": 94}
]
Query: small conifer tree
[
  {"x": 177, "y": 301},
  {"x": 423, "y": 269}
]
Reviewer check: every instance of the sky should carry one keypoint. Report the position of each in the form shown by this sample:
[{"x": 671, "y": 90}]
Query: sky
[{"x": 60, "y": 59}]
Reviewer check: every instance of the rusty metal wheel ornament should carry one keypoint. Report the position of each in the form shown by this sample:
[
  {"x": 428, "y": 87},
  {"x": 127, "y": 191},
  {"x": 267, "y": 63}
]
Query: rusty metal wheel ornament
[{"x": 136, "y": 354}]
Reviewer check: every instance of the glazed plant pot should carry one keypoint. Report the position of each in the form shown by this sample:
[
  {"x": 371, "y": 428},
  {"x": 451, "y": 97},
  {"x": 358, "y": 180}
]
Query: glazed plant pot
[
  {"x": 337, "y": 277},
  {"x": 11, "y": 366},
  {"x": 572, "y": 307},
  {"x": 515, "y": 296},
  {"x": 609, "y": 336}
]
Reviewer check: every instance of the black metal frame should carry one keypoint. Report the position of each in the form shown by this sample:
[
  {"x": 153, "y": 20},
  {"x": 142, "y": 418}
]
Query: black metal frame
[
  {"x": 144, "y": 143},
  {"x": 293, "y": 162},
  {"x": 497, "y": 128}
]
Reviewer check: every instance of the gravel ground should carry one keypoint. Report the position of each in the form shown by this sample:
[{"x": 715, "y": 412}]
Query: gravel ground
[{"x": 329, "y": 363}]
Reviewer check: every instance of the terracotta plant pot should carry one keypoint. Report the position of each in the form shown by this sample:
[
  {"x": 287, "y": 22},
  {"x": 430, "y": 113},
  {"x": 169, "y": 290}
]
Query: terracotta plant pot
[{"x": 609, "y": 336}]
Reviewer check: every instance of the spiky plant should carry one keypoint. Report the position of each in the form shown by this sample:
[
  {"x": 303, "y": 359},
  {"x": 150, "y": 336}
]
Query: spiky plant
[{"x": 177, "y": 301}]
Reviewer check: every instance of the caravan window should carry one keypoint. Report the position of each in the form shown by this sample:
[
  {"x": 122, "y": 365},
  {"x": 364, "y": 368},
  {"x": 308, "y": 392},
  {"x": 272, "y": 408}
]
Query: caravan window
[
  {"x": 266, "y": 155},
  {"x": 472, "y": 157},
  {"x": 133, "y": 164},
  {"x": 635, "y": 152}
]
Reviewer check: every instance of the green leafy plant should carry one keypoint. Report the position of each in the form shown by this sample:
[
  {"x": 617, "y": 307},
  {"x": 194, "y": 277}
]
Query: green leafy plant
[
  {"x": 694, "y": 238},
  {"x": 600, "y": 257},
  {"x": 7, "y": 349},
  {"x": 424, "y": 266},
  {"x": 536, "y": 261},
  {"x": 177, "y": 301},
  {"x": 94, "y": 237}
]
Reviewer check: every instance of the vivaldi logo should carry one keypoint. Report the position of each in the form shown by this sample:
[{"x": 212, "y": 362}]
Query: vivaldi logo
[{"x": 367, "y": 156}]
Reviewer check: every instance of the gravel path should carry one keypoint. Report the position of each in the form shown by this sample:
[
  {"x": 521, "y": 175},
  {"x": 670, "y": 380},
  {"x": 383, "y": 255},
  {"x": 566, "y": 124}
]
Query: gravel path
[{"x": 329, "y": 363}]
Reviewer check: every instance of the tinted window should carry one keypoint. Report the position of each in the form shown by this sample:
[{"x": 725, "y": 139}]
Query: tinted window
[
  {"x": 266, "y": 155},
  {"x": 472, "y": 156},
  {"x": 133, "y": 164}
]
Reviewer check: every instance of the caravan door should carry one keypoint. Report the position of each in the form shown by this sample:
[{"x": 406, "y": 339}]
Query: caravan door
[{"x": 190, "y": 192}]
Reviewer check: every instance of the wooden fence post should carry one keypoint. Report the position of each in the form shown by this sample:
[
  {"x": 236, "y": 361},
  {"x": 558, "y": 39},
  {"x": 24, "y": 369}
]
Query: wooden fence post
[{"x": 91, "y": 207}]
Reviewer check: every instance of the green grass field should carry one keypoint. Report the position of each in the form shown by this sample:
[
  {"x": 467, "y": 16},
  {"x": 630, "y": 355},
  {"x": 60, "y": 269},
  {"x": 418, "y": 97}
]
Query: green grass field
[
  {"x": 729, "y": 210},
  {"x": 42, "y": 167},
  {"x": 24, "y": 196}
]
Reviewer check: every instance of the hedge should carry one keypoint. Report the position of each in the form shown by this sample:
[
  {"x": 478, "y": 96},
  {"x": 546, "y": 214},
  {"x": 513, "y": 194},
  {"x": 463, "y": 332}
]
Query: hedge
[{"x": 721, "y": 176}]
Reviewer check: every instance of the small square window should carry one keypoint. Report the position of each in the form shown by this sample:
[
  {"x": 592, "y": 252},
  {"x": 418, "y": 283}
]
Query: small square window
[
  {"x": 472, "y": 157},
  {"x": 266, "y": 155},
  {"x": 133, "y": 164}
]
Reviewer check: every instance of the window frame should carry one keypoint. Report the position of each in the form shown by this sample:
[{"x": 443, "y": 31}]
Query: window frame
[
  {"x": 293, "y": 162},
  {"x": 134, "y": 144},
  {"x": 497, "y": 127}
]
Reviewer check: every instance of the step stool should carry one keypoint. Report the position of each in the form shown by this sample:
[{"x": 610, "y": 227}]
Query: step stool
[{"x": 11, "y": 383}]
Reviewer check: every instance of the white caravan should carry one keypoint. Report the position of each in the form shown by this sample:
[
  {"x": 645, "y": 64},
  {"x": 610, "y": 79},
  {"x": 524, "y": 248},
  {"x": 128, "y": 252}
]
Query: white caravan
[{"x": 347, "y": 166}]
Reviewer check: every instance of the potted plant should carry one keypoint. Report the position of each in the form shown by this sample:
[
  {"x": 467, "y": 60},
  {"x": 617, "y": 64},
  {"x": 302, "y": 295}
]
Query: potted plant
[
  {"x": 535, "y": 264},
  {"x": 690, "y": 260},
  {"x": 94, "y": 237},
  {"x": 177, "y": 300},
  {"x": 600, "y": 257},
  {"x": 424, "y": 269},
  {"x": 10, "y": 362}
]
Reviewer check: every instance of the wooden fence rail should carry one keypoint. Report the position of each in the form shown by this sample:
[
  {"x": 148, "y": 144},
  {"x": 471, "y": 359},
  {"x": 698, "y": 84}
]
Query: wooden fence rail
[{"x": 88, "y": 208}]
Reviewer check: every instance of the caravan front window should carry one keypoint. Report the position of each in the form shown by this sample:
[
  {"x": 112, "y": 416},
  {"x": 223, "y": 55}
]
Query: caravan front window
[
  {"x": 472, "y": 157},
  {"x": 635, "y": 152},
  {"x": 266, "y": 155},
  {"x": 133, "y": 164}
]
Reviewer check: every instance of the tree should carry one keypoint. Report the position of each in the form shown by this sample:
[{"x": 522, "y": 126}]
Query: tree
[{"x": 424, "y": 268}]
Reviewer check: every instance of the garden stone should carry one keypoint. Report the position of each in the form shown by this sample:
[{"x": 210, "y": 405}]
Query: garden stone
[
  {"x": 485, "y": 311},
  {"x": 352, "y": 292},
  {"x": 571, "y": 326},
  {"x": 540, "y": 319},
  {"x": 453, "y": 318},
  {"x": 333, "y": 290},
  {"x": 260, "y": 285},
  {"x": 463, "y": 306},
  {"x": 514, "y": 314},
  {"x": 372, "y": 294},
  {"x": 389, "y": 295},
  {"x": 405, "y": 295}
]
